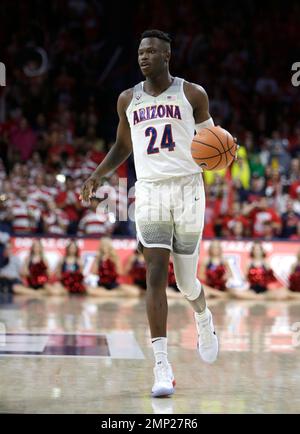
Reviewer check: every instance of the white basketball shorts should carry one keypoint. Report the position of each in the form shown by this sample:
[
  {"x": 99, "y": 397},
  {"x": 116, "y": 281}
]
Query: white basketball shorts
[{"x": 170, "y": 213}]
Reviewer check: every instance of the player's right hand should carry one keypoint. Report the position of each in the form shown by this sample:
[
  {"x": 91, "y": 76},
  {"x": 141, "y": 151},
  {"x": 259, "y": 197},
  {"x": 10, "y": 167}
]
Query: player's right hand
[{"x": 89, "y": 188}]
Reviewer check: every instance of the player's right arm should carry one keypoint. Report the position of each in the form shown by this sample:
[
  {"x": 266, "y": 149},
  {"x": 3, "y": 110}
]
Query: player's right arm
[{"x": 118, "y": 153}]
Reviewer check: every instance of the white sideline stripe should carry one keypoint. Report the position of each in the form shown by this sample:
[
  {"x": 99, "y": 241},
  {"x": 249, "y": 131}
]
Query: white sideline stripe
[
  {"x": 123, "y": 345},
  {"x": 24, "y": 343}
]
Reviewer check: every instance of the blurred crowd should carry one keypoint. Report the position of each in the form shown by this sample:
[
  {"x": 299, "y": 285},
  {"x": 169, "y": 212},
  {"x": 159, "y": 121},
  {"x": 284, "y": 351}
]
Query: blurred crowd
[{"x": 65, "y": 68}]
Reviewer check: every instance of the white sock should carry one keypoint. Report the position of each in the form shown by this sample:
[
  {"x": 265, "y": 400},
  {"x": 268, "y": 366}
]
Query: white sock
[{"x": 160, "y": 350}]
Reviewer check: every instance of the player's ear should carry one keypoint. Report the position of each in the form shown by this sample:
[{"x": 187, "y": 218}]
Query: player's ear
[{"x": 167, "y": 56}]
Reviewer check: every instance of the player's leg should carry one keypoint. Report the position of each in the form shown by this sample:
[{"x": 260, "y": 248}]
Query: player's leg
[
  {"x": 189, "y": 219},
  {"x": 154, "y": 232},
  {"x": 185, "y": 267},
  {"x": 157, "y": 262}
]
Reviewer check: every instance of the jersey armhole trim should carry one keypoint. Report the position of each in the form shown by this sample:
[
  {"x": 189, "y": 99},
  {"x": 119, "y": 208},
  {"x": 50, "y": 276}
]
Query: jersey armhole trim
[
  {"x": 184, "y": 95},
  {"x": 135, "y": 89},
  {"x": 129, "y": 106}
]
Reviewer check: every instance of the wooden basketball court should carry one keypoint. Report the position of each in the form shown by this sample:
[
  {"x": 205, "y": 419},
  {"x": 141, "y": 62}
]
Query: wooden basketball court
[{"x": 79, "y": 355}]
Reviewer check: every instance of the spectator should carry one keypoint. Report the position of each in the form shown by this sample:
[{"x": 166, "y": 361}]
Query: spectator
[
  {"x": 235, "y": 215},
  {"x": 4, "y": 239},
  {"x": 294, "y": 144},
  {"x": 108, "y": 269},
  {"x": 136, "y": 269},
  {"x": 294, "y": 172},
  {"x": 256, "y": 189},
  {"x": 5, "y": 215},
  {"x": 69, "y": 273},
  {"x": 296, "y": 203},
  {"x": 35, "y": 271},
  {"x": 96, "y": 221},
  {"x": 10, "y": 273},
  {"x": 280, "y": 158},
  {"x": 37, "y": 192},
  {"x": 215, "y": 272},
  {"x": 260, "y": 213},
  {"x": 23, "y": 139},
  {"x": 238, "y": 231},
  {"x": 290, "y": 220},
  {"x": 266, "y": 85},
  {"x": 240, "y": 169},
  {"x": 25, "y": 214},
  {"x": 296, "y": 236},
  {"x": 68, "y": 201},
  {"x": 54, "y": 220},
  {"x": 260, "y": 275},
  {"x": 294, "y": 189}
]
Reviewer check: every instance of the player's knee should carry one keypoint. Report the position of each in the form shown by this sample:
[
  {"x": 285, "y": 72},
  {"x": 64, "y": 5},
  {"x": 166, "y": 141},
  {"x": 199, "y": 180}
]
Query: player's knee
[
  {"x": 189, "y": 287},
  {"x": 157, "y": 275},
  {"x": 157, "y": 278}
]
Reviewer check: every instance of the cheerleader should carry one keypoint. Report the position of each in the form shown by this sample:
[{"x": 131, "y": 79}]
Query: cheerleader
[
  {"x": 294, "y": 279},
  {"x": 261, "y": 278},
  {"x": 69, "y": 273},
  {"x": 136, "y": 269},
  {"x": 108, "y": 269},
  {"x": 215, "y": 272},
  {"x": 35, "y": 271}
]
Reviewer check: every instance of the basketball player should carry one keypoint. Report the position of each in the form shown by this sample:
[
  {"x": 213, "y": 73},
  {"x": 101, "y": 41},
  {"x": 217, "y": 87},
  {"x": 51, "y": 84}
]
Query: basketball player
[{"x": 157, "y": 121}]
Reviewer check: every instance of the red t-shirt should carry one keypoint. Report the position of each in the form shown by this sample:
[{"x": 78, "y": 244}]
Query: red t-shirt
[
  {"x": 59, "y": 149},
  {"x": 229, "y": 222},
  {"x": 259, "y": 217},
  {"x": 69, "y": 208},
  {"x": 293, "y": 189}
]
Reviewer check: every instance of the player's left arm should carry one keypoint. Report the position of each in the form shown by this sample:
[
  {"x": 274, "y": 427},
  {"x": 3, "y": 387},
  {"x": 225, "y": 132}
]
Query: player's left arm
[{"x": 197, "y": 97}]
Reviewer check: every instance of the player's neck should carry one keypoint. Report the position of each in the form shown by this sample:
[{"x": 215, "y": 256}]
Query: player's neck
[{"x": 158, "y": 84}]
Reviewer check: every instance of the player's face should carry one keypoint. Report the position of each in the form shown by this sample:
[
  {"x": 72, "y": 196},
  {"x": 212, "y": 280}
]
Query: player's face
[{"x": 153, "y": 56}]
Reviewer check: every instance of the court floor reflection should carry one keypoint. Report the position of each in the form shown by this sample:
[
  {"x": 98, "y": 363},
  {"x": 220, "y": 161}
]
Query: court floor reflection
[{"x": 258, "y": 370}]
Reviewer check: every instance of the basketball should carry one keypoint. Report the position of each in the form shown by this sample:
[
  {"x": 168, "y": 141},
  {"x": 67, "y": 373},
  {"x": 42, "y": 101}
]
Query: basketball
[{"x": 213, "y": 148}]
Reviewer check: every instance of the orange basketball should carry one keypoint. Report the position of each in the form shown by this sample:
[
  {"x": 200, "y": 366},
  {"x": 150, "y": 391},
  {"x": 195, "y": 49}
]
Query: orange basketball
[{"x": 213, "y": 148}]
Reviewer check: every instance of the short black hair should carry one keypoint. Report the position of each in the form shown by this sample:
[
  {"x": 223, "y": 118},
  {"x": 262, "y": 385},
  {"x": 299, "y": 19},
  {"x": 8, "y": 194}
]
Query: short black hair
[{"x": 156, "y": 34}]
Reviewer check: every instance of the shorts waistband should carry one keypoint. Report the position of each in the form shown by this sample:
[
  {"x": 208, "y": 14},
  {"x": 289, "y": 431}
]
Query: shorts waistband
[{"x": 169, "y": 180}]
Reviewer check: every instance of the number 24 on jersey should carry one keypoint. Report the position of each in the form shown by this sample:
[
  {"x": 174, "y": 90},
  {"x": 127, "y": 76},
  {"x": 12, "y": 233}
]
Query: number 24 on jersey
[{"x": 166, "y": 140}]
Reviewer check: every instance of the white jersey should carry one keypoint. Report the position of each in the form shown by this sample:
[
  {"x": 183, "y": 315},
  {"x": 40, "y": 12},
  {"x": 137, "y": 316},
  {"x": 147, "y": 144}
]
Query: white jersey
[{"x": 162, "y": 130}]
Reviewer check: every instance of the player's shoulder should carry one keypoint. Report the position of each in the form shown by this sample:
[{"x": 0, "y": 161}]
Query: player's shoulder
[
  {"x": 128, "y": 93},
  {"x": 194, "y": 89},
  {"x": 125, "y": 98},
  {"x": 195, "y": 94}
]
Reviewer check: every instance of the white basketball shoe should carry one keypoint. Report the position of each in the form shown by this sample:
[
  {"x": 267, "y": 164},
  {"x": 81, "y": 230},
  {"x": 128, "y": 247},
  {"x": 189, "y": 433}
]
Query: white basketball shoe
[
  {"x": 207, "y": 340},
  {"x": 164, "y": 381}
]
